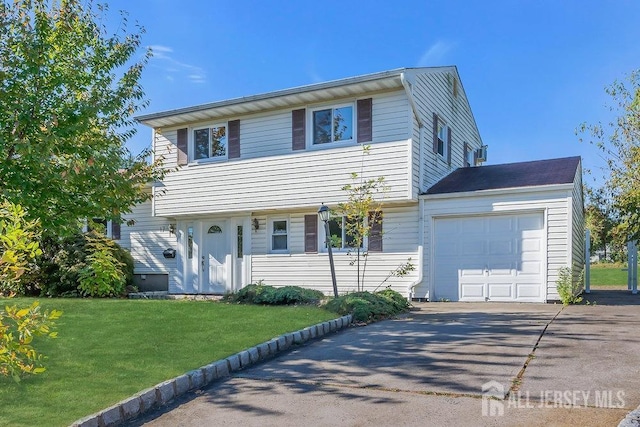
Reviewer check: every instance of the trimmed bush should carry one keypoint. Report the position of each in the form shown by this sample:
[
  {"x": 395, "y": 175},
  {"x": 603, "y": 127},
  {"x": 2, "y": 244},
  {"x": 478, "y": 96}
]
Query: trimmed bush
[
  {"x": 369, "y": 307},
  {"x": 268, "y": 295}
]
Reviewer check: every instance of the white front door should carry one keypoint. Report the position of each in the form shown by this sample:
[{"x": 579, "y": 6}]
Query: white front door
[{"x": 215, "y": 279}]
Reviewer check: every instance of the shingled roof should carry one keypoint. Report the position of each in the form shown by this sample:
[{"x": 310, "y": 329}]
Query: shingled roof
[{"x": 510, "y": 175}]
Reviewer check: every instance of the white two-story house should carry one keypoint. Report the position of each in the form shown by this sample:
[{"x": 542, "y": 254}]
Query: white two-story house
[{"x": 246, "y": 176}]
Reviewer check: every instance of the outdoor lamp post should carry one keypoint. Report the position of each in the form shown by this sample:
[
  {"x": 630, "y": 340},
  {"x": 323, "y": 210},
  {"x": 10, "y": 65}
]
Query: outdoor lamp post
[{"x": 323, "y": 213}]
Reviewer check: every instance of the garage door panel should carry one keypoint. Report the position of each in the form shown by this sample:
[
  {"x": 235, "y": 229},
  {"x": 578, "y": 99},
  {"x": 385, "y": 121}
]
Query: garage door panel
[{"x": 494, "y": 257}]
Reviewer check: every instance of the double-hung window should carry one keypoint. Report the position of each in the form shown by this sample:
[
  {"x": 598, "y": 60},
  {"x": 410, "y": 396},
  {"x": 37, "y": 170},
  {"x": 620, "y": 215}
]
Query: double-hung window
[
  {"x": 210, "y": 142},
  {"x": 443, "y": 139},
  {"x": 342, "y": 232},
  {"x": 334, "y": 124},
  {"x": 279, "y": 236}
]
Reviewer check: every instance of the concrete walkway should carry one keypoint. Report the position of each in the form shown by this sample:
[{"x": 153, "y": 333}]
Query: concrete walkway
[{"x": 430, "y": 367}]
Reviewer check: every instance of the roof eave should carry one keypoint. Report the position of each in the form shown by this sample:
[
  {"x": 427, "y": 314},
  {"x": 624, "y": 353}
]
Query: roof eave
[{"x": 496, "y": 191}]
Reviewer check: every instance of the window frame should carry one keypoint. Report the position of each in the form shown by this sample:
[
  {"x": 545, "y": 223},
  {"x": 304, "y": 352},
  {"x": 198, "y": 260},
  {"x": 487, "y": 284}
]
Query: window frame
[
  {"x": 446, "y": 146},
  {"x": 272, "y": 234},
  {"x": 310, "y": 122},
  {"x": 322, "y": 237},
  {"x": 192, "y": 143}
]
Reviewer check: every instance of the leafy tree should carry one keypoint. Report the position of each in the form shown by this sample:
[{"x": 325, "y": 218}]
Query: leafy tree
[
  {"x": 619, "y": 142},
  {"x": 68, "y": 90},
  {"x": 600, "y": 222}
]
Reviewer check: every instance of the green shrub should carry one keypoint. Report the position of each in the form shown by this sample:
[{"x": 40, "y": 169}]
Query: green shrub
[
  {"x": 268, "y": 295},
  {"x": 18, "y": 328},
  {"x": 65, "y": 262},
  {"x": 569, "y": 287},
  {"x": 367, "y": 306}
]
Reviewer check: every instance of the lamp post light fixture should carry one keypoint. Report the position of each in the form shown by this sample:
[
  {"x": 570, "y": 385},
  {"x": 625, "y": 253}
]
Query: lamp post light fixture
[{"x": 323, "y": 213}]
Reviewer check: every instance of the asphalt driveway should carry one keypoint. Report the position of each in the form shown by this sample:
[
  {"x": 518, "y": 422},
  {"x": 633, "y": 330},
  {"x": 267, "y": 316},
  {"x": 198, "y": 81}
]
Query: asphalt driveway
[{"x": 430, "y": 367}]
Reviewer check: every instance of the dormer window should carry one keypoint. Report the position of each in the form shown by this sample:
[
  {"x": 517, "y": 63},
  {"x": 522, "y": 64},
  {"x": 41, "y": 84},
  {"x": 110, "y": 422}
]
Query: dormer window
[
  {"x": 332, "y": 124},
  {"x": 210, "y": 142}
]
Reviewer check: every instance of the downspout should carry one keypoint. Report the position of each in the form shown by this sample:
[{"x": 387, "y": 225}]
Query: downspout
[{"x": 416, "y": 114}]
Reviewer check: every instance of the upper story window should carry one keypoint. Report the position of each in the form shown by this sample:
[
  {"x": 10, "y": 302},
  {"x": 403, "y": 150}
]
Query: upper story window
[
  {"x": 333, "y": 124},
  {"x": 279, "y": 235},
  {"x": 443, "y": 139},
  {"x": 210, "y": 142}
]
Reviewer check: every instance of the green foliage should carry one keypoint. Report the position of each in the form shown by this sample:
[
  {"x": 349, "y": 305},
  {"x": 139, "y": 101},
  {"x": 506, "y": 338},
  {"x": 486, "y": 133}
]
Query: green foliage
[
  {"x": 269, "y": 295},
  {"x": 88, "y": 264},
  {"x": 18, "y": 246},
  {"x": 102, "y": 274},
  {"x": 68, "y": 91},
  {"x": 619, "y": 142},
  {"x": 569, "y": 286},
  {"x": 367, "y": 306},
  {"x": 18, "y": 328}
]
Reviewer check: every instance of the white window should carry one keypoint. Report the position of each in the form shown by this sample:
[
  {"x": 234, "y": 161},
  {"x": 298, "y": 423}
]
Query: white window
[
  {"x": 443, "y": 139},
  {"x": 332, "y": 124},
  {"x": 279, "y": 229},
  {"x": 339, "y": 230},
  {"x": 210, "y": 142}
]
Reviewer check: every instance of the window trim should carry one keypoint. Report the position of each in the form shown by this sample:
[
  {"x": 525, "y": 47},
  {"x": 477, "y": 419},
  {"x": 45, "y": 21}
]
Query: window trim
[
  {"x": 192, "y": 143},
  {"x": 333, "y": 106},
  {"x": 446, "y": 143},
  {"x": 271, "y": 234},
  {"x": 322, "y": 238}
]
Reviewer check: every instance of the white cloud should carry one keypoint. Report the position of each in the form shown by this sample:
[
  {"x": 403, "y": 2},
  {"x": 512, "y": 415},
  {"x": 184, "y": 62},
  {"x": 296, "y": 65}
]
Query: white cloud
[
  {"x": 171, "y": 66},
  {"x": 436, "y": 53}
]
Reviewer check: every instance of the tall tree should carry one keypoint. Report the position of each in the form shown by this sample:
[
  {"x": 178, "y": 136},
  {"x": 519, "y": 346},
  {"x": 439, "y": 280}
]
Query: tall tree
[
  {"x": 620, "y": 145},
  {"x": 68, "y": 90}
]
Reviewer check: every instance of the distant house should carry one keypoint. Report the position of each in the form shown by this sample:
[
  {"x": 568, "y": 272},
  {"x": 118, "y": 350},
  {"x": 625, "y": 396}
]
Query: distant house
[{"x": 246, "y": 177}]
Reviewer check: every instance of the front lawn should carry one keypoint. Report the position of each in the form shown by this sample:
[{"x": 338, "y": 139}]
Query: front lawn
[
  {"x": 108, "y": 350},
  {"x": 606, "y": 274}
]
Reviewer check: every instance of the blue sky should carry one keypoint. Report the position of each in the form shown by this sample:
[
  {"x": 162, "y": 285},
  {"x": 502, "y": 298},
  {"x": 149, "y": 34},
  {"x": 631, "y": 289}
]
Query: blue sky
[{"x": 533, "y": 70}]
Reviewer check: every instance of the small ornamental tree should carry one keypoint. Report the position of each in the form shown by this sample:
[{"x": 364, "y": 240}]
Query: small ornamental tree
[{"x": 363, "y": 211}]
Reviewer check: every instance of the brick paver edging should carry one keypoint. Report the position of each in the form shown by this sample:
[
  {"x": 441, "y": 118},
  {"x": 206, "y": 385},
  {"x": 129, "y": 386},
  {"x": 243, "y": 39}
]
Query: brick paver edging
[{"x": 163, "y": 393}]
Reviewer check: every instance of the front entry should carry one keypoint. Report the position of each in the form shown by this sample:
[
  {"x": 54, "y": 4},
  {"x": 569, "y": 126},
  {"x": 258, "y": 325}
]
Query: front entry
[
  {"x": 215, "y": 277},
  {"x": 207, "y": 256}
]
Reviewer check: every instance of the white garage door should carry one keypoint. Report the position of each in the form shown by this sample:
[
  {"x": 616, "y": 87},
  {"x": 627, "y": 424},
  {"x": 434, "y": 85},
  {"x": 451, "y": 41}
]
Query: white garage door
[{"x": 489, "y": 258}]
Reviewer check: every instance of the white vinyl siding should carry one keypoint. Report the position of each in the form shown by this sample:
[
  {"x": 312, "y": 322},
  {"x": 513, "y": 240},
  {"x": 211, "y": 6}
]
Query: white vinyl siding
[
  {"x": 306, "y": 179},
  {"x": 433, "y": 93},
  {"x": 146, "y": 240},
  {"x": 312, "y": 270},
  {"x": 554, "y": 203}
]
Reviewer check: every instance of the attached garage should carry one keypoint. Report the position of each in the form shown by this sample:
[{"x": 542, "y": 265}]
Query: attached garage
[{"x": 500, "y": 233}]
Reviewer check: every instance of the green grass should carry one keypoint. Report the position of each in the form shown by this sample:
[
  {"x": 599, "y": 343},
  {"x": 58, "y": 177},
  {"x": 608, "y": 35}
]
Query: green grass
[
  {"x": 108, "y": 350},
  {"x": 608, "y": 274}
]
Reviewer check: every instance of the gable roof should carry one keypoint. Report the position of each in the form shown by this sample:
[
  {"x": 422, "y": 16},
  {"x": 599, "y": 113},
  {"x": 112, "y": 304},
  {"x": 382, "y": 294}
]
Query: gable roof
[
  {"x": 509, "y": 175},
  {"x": 288, "y": 98}
]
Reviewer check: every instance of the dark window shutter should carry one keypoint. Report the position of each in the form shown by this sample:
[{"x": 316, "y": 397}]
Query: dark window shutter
[
  {"x": 311, "y": 233},
  {"x": 375, "y": 232},
  {"x": 465, "y": 153},
  {"x": 115, "y": 229},
  {"x": 449, "y": 145},
  {"x": 365, "y": 123},
  {"x": 435, "y": 133},
  {"x": 183, "y": 147},
  {"x": 234, "y": 139},
  {"x": 298, "y": 129}
]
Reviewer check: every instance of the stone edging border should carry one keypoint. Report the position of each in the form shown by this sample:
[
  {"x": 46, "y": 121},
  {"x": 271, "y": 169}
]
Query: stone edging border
[{"x": 161, "y": 394}]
